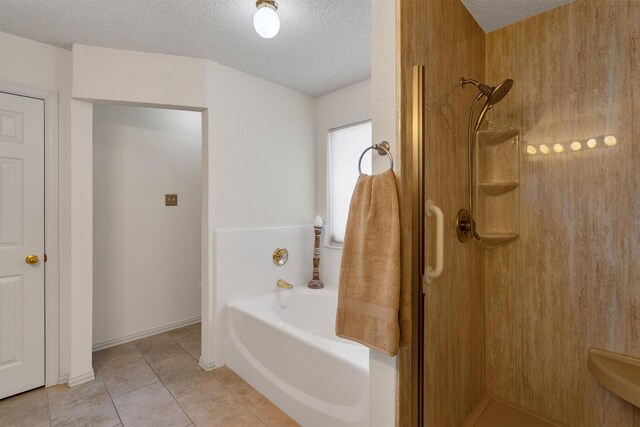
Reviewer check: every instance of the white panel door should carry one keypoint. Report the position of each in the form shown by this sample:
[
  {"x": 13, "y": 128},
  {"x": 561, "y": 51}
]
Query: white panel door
[{"x": 21, "y": 235}]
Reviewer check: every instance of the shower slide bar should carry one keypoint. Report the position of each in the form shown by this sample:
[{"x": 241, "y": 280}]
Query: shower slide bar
[
  {"x": 466, "y": 222},
  {"x": 432, "y": 273}
]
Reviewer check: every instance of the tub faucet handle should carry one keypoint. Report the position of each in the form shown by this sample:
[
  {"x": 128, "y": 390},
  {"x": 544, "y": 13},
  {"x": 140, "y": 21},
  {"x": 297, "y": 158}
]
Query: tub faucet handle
[{"x": 284, "y": 285}]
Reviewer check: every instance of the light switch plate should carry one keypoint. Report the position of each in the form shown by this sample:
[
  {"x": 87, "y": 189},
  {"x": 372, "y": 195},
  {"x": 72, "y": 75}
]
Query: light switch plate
[{"x": 171, "y": 200}]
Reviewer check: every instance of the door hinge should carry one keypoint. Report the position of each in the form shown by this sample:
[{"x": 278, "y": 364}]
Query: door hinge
[{"x": 45, "y": 257}]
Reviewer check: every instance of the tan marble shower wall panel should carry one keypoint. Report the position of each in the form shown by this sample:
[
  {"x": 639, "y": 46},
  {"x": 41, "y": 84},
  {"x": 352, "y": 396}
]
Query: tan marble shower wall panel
[
  {"x": 572, "y": 281},
  {"x": 443, "y": 36}
]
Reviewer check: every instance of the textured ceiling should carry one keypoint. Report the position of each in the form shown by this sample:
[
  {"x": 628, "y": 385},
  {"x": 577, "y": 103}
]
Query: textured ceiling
[
  {"x": 494, "y": 14},
  {"x": 323, "y": 45}
]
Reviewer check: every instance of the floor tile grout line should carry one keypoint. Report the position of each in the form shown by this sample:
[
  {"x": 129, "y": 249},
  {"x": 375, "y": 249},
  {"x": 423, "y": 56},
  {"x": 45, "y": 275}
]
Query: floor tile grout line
[
  {"x": 238, "y": 399},
  {"x": 112, "y": 402},
  {"x": 183, "y": 347},
  {"x": 229, "y": 388},
  {"x": 112, "y": 398},
  {"x": 48, "y": 406},
  {"x": 241, "y": 402},
  {"x": 148, "y": 363},
  {"x": 148, "y": 385},
  {"x": 171, "y": 394},
  {"x": 186, "y": 336},
  {"x": 174, "y": 341},
  {"x": 117, "y": 412}
]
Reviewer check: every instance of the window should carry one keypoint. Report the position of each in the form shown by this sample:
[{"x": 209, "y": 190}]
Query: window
[{"x": 346, "y": 144}]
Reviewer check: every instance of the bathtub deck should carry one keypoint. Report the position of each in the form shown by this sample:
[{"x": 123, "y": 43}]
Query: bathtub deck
[{"x": 491, "y": 412}]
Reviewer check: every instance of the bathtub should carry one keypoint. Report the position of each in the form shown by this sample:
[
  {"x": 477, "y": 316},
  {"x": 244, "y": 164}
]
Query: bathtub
[{"x": 284, "y": 345}]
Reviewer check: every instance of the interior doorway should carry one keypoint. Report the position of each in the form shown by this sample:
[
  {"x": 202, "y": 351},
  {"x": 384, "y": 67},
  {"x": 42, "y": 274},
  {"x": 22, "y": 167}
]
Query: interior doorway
[{"x": 147, "y": 221}]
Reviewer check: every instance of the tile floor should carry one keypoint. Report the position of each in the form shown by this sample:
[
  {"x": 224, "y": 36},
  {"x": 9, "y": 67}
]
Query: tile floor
[{"x": 155, "y": 381}]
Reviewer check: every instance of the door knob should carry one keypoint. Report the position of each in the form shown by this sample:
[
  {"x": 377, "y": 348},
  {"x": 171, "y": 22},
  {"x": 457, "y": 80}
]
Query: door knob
[{"x": 31, "y": 259}]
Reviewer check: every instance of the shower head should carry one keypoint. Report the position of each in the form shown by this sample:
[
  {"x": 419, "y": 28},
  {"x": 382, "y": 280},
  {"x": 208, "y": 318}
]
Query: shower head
[
  {"x": 493, "y": 94},
  {"x": 499, "y": 92}
]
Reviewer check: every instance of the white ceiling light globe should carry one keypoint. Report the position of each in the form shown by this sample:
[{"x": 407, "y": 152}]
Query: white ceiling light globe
[{"x": 266, "y": 22}]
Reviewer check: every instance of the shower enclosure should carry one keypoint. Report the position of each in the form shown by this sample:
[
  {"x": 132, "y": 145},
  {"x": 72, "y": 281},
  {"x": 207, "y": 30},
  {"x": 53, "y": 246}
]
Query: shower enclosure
[{"x": 508, "y": 330}]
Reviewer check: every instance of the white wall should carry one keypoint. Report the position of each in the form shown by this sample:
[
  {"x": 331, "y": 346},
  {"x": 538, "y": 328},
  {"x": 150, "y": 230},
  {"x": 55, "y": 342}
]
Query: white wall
[
  {"x": 258, "y": 148},
  {"x": 39, "y": 66},
  {"x": 262, "y": 175},
  {"x": 385, "y": 126},
  {"x": 263, "y": 135},
  {"x": 142, "y": 79},
  {"x": 81, "y": 240},
  {"x": 146, "y": 256},
  {"x": 139, "y": 78},
  {"x": 344, "y": 106}
]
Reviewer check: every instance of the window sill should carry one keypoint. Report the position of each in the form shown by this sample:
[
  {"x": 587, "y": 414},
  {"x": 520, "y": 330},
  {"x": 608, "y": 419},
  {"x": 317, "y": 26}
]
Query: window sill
[{"x": 332, "y": 246}]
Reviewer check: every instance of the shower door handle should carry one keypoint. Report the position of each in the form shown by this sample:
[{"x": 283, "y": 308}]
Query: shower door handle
[{"x": 432, "y": 273}]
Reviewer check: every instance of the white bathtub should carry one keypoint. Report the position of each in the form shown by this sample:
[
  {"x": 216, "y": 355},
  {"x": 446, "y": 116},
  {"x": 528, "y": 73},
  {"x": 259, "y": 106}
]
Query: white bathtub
[{"x": 284, "y": 345}]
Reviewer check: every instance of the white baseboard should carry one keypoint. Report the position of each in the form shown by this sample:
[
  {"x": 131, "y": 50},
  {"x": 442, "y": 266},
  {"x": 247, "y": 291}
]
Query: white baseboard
[
  {"x": 81, "y": 379},
  {"x": 128, "y": 338},
  {"x": 207, "y": 366},
  {"x": 63, "y": 379}
]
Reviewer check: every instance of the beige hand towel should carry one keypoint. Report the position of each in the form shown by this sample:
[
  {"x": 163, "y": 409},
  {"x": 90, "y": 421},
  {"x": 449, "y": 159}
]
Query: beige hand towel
[{"x": 369, "y": 293}]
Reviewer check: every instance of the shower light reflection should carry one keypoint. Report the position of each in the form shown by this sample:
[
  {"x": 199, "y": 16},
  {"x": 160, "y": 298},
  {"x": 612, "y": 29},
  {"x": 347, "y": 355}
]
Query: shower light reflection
[{"x": 574, "y": 146}]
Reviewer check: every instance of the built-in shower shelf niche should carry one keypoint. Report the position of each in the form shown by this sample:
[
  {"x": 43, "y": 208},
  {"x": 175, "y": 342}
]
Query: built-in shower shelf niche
[
  {"x": 497, "y": 189},
  {"x": 496, "y": 136},
  {"x": 494, "y": 240},
  {"x": 617, "y": 372}
]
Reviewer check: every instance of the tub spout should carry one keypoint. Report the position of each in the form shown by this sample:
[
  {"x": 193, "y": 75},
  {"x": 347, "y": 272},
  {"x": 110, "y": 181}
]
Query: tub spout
[{"x": 284, "y": 285}]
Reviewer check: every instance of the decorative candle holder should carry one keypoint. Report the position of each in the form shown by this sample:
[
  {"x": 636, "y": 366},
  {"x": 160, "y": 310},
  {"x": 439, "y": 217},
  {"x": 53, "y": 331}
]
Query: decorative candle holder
[{"x": 315, "y": 282}]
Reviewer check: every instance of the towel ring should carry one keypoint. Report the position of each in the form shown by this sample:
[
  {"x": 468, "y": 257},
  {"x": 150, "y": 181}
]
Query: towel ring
[{"x": 382, "y": 148}]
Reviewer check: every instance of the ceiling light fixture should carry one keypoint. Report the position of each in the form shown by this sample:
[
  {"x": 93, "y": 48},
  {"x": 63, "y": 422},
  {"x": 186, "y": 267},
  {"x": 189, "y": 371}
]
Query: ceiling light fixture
[{"x": 266, "y": 21}]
